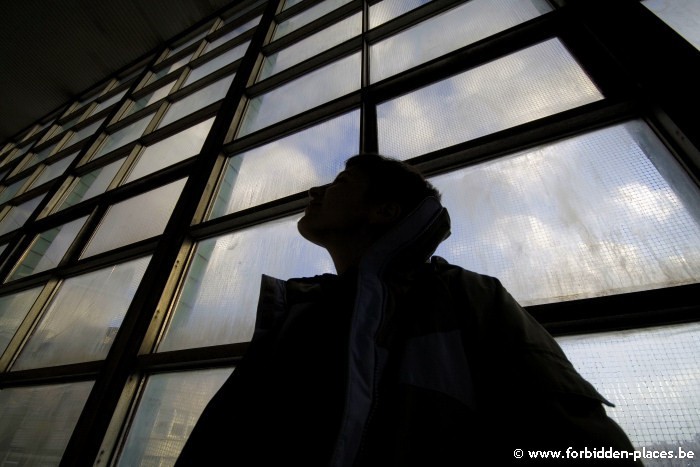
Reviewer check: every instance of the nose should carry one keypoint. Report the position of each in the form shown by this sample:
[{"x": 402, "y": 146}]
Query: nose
[{"x": 316, "y": 193}]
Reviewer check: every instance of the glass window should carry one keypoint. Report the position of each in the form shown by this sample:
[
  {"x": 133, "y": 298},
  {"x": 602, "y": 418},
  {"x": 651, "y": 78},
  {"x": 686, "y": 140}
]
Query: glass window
[
  {"x": 681, "y": 15},
  {"x": 138, "y": 218},
  {"x": 81, "y": 321},
  {"x": 307, "y": 16},
  {"x": 148, "y": 99},
  {"x": 37, "y": 422},
  {"x": 91, "y": 184},
  {"x": 13, "y": 309},
  {"x": 291, "y": 3},
  {"x": 84, "y": 132},
  {"x": 47, "y": 249},
  {"x": 381, "y": 12},
  {"x": 651, "y": 377},
  {"x": 602, "y": 213},
  {"x": 11, "y": 190},
  {"x": 530, "y": 84},
  {"x": 310, "y": 90},
  {"x": 216, "y": 63},
  {"x": 126, "y": 135},
  {"x": 231, "y": 34},
  {"x": 53, "y": 170},
  {"x": 41, "y": 155},
  {"x": 292, "y": 164},
  {"x": 17, "y": 215},
  {"x": 467, "y": 23},
  {"x": 219, "y": 298},
  {"x": 243, "y": 27},
  {"x": 197, "y": 100},
  {"x": 312, "y": 45},
  {"x": 106, "y": 103},
  {"x": 168, "y": 410},
  {"x": 189, "y": 42},
  {"x": 166, "y": 70},
  {"x": 174, "y": 149}
]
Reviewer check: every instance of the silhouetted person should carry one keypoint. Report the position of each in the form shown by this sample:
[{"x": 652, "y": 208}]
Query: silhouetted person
[{"x": 397, "y": 360}]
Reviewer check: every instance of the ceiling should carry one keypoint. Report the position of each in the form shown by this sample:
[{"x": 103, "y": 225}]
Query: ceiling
[{"x": 53, "y": 50}]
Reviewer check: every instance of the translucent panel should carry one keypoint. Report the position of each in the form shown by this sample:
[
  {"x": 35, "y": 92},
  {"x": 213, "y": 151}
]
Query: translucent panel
[
  {"x": 290, "y": 3},
  {"x": 307, "y": 16},
  {"x": 149, "y": 99},
  {"x": 243, "y": 27},
  {"x": 138, "y": 218},
  {"x": 126, "y": 135},
  {"x": 308, "y": 91},
  {"x": 651, "y": 375},
  {"x": 176, "y": 65},
  {"x": 36, "y": 423},
  {"x": 312, "y": 45},
  {"x": 221, "y": 40},
  {"x": 54, "y": 170},
  {"x": 467, "y": 23},
  {"x": 104, "y": 104},
  {"x": 18, "y": 215},
  {"x": 216, "y": 63},
  {"x": 67, "y": 125},
  {"x": 13, "y": 309},
  {"x": 381, "y": 12},
  {"x": 189, "y": 42},
  {"x": 41, "y": 155},
  {"x": 11, "y": 190},
  {"x": 198, "y": 100},
  {"x": 82, "y": 319},
  {"x": 218, "y": 301},
  {"x": 48, "y": 249},
  {"x": 530, "y": 84},
  {"x": 681, "y": 15},
  {"x": 296, "y": 163},
  {"x": 171, "y": 150},
  {"x": 83, "y": 133},
  {"x": 602, "y": 213},
  {"x": 168, "y": 411},
  {"x": 91, "y": 184}
]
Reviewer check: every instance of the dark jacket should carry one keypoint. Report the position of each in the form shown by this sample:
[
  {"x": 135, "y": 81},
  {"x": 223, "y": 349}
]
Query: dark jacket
[{"x": 441, "y": 365}]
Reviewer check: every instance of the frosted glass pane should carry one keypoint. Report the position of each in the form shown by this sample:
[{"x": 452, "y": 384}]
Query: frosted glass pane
[
  {"x": 189, "y": 42},
  {"x": 91, "y": 184},
  {"x": 602, "y": 213},
  {"x": 149, "y": 99},
  {"x": 36, "y": 423},
  {"x": 126, "y": 135},
  {"x": 41, "y": 155},
  {"x": 307, "y": 16},
  {"x": 11, "y": 190},
  {"x": 312, "y": 45},
  {"x": 296, "y": 163},
  {"x": 176, "y": 65},
  {"x": 54, "y": 170},
  {"x": 84, "y": 132},
  {"x": 381, "y": 12},
  {"x": 221, "y": 40},
  {"x": 13, "y": 309},
  {"x": 530, "y": 84},
  {"x": 651, "y": 375},
  {"x": 138, "y": 218},
  {"x": 216, "y": 63},
  {"x": 104, "y": 104},
  {"x": 168, "y": 411},
  {"x": 219, "y": 298},
  {"x": 308, "y": 91},
  {"x": 467, "y": 23},
  {"x": 290, "y": 3},
  {"x": 681, "y": 15},
  {"x": 198, "y": 100},
  {"x": 48, "y": 249},
  {"x": 174, "y": 149},
  {"x": 18, "y": 215},
  {"x": 81, "y": 321}
]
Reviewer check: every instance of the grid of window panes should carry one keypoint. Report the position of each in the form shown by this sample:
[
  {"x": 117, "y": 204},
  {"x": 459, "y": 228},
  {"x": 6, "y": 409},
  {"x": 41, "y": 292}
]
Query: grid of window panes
[{"x": 91, "y": 198}]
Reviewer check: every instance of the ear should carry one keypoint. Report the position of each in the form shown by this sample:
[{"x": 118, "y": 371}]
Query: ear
[{"x": 386, "y": 213}]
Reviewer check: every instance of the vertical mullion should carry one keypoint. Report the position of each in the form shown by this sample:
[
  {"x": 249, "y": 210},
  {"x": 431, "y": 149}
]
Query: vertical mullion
[
  {"x": 368, "y": 108},
  {"x": 94, "y": 421}
]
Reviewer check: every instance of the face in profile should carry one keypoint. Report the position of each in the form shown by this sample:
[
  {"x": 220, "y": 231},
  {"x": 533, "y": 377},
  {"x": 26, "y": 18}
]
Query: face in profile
[{"x": 338, "y": 210}]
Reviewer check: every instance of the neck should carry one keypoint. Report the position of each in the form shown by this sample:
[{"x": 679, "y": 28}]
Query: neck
[{"x": 348, "y": 254}]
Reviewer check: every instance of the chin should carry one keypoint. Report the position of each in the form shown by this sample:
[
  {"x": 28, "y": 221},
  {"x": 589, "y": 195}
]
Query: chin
[{"x": 307, "y": 231}]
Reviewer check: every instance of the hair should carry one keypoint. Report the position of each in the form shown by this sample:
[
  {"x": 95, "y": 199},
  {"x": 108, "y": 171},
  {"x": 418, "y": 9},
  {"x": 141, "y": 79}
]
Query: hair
[{"x": 393, "y": 180}]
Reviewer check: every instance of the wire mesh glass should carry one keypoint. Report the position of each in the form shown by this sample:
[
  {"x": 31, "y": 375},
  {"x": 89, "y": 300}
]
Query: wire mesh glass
[
  {"x": 91, "y": 184},
  {"x": 54, "y": 170},
  {"x": 289, "y": 165},
  {"x": 18, "y": 215},
  {"x": 384, "y": 11},
  {"x": 602, "y": 213},
  {"x": 148, "y": 99},
  {"x": 219, "y": 297},
  {"x": 527, "y": 85},
  {"x": 307, "y": 16},
  {"x": 13, "y": 309},
  {"x": 681, "y": 15},
  {"x": 216, "y": 63},
  {"x": 466, "y": 23},
  {"x": 122, "y": 137},
  {"x": 82, "y": 320},
  {"x": 197, "y": 100}
]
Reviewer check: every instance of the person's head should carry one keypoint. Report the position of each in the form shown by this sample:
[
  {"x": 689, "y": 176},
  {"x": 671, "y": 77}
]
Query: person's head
[{"x": 365, "y": 200}]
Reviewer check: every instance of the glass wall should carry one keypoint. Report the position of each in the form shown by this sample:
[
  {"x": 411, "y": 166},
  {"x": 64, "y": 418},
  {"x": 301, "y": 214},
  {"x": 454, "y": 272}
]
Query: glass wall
[{"x": 137, "y": 220}]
